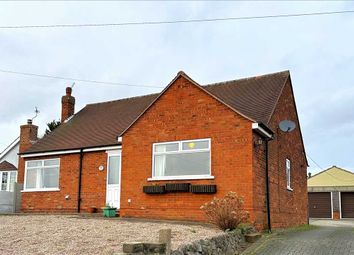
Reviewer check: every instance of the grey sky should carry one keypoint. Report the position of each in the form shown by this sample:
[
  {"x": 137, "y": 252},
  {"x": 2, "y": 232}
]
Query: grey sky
[{"x": 317, "y": 50}]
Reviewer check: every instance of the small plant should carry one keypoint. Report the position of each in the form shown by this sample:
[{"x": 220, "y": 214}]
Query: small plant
[{"x": 227, "y": 212}]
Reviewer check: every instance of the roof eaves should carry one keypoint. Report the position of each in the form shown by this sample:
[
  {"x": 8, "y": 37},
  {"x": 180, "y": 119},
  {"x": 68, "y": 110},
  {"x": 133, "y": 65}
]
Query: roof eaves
[{"x": 59, "y": 151}]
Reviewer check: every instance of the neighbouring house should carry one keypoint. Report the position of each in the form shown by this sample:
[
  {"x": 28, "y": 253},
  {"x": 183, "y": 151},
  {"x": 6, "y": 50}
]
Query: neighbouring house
[
  {"x": 164, "y": 155},
  {"x": 9, "y": 165},
  {"x": 10, "y": 196},
  {"x": 331, "y": 194}
]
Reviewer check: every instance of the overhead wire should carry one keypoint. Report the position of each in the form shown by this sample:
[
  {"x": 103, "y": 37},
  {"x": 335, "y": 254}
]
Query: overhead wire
[
  {"x": 77, "y": 79},
  {"x": 141, "y": 23}
]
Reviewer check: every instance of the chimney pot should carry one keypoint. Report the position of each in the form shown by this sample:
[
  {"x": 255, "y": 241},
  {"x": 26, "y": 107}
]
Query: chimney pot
[
  {"x": 29, "y": 121},
  {"x": 68, "y": 91}
]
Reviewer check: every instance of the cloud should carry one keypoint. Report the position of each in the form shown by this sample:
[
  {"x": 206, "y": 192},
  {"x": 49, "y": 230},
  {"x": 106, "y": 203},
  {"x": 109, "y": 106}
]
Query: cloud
[{"x": 317, "y": 50}]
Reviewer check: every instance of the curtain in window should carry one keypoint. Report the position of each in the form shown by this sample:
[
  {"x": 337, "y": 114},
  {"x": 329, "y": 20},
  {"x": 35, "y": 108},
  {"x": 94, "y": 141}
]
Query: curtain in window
[
  {"x": 160, "y": 165},
  {"x": 160, "y": 161}
]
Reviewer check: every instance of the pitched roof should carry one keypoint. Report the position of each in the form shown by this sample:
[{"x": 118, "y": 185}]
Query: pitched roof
[
  {"x": 99, "y": 124},
  {"x": 255, "y": 97},
  {"x": 332, "y": 177},
  {"x": 6, "y": 166}
]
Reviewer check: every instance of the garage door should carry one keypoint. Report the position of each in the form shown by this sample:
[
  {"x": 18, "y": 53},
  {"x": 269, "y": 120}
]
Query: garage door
[
  {"x": 320, "y": 205},
  {"x": 347, "y": 202}
]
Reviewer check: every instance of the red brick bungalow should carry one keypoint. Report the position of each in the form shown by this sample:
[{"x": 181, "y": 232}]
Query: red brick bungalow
[{"x": 133, "y": 153}]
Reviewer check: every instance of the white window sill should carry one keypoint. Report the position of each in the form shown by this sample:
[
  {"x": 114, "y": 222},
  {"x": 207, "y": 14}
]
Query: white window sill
[
  {"x": 40, "y": 190},
  {"x": 289, "y": 188},
  {"x": 186, "y": 177}
]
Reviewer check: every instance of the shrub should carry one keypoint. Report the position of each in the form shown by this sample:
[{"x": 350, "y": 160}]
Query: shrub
[{"x": 227, "y": 212}]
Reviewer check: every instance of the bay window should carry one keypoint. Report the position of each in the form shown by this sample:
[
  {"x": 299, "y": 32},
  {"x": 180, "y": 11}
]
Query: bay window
[
  {"x": 42, "y": 175},
  {"x": 182, "y": 160}
]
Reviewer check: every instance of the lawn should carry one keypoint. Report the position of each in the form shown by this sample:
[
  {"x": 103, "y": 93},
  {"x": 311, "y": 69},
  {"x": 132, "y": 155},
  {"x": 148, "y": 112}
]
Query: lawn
[{"x": 75, "y": 234}]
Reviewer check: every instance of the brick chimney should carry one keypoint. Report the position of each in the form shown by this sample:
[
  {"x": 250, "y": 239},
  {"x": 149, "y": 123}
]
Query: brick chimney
[
  {"x": 67, "y": 105},
  {"x": 28, "y": 135}
]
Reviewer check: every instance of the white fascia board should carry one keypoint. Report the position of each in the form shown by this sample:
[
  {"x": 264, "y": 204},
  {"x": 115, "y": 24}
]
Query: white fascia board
[
  {"x": 49, "y": 153},
  {"x": 70, "y": 151},
  {"x": 256, "y": 126},
  {"x": 103, "y": 148}
]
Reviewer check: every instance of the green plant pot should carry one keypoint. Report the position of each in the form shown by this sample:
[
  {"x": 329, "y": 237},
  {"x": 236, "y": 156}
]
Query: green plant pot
[{"x": 109, "y": 212}]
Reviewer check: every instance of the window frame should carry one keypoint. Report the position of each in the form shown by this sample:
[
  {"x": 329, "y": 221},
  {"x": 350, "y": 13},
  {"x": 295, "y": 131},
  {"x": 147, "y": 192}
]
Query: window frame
[
  {"x": 180, "y": 150},
  {"x": 8, "y": 179},
  {"x": 288, "y": 180},
  {"x": 37, "y": 189}
]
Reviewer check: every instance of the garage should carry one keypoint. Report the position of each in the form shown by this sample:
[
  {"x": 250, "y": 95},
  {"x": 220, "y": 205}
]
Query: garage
[
  {"x": 320, "y": 205},
  {"x": 347, "y": 204}
]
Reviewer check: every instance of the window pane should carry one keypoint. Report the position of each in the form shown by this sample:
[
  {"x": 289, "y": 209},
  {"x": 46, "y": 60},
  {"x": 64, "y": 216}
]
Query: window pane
[
  {"x": 166, "y": 147},
  {"x": 50, "y": 177},
  {"x": 182, "y": 164},
  {"x": 12, "y": 180},
  {"x": 195, "y": 145},
  {"x": 4, "y": 180},
  {"x": 113, "y": 170},
  {"x": 51, "y": 162},
  {"x": 31, "y": 178},
  {"x": 288, "y": 163},
  {"x": 34, "y": 163}
]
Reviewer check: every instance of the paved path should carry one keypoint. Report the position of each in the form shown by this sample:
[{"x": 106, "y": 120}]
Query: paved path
[{"x": 328, "y": 238}]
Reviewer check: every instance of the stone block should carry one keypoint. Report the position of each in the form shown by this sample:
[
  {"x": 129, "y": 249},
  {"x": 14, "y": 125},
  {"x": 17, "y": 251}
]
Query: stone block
[
  {"x": 133, "y": 247},
  {"x": 252, "y": 237}
]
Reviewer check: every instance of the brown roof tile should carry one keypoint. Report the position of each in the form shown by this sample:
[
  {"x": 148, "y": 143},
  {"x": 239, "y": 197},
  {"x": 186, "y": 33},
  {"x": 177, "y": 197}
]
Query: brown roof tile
[
  {"x": 6, "y": 166},
  {"x": 100, "y": 124}
]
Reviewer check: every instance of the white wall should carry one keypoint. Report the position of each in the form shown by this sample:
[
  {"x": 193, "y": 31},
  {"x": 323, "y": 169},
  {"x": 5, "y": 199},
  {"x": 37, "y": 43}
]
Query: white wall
[{"x": 11, "y": 156}]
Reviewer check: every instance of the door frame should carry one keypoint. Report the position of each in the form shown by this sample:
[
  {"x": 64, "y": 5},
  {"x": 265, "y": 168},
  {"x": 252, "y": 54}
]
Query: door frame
[
  {"x": 340, "y": 204},
  {"x": 111, "y": 153}
]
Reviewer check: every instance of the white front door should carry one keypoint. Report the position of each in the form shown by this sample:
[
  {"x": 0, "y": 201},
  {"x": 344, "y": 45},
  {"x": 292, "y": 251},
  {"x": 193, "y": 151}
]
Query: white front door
[{"x": 113, "y": 179}]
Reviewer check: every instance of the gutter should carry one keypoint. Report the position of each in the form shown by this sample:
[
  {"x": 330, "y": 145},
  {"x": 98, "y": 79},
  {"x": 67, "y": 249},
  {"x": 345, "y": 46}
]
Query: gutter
[
  {"x": 62, "y": 152},
  {"x": 262, "y": 130},
  {"x": 79, "y": 184},
  {"x": 267, "y": 187}
]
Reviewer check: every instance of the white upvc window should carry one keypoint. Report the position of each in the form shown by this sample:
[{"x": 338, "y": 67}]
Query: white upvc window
[
  {"x": 288, "y": 174},
  {"x": 42, "y": 175},
  {"x": 7, "y": 180},
  {"x": 188, "y": 159}
]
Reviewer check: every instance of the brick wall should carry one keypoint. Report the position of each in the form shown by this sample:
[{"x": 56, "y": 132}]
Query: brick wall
[
  {"x": 186, "y": 112},
  {"x": 288, "y": 208},
  {"x": 93, "y": 191},
  {"x": 259, "y": 187}
]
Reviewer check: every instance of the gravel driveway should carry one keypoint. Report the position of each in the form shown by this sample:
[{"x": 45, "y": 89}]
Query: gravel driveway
[{"x": 73, "y": 234}]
